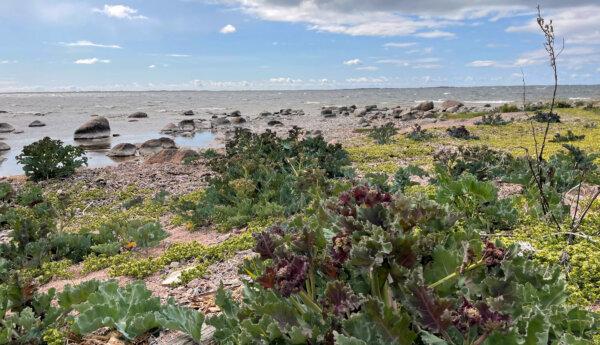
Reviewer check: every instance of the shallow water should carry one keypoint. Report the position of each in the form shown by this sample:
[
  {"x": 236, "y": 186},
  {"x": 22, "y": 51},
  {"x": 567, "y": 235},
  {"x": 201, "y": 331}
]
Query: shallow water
[{"x": 64, "y": 112}]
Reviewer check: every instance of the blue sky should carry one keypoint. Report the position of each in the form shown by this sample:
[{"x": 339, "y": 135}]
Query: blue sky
[{"x": 56, "y": 45}]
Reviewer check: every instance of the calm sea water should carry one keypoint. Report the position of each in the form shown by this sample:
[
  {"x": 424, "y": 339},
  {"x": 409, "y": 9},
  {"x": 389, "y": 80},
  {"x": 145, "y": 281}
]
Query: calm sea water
[{"x": 64, "y": 112}]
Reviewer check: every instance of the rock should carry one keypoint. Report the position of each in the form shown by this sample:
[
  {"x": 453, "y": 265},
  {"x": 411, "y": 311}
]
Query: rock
[
  {"x": 175, "y": 156},
  {"x": 235, "y": 113},
  {"x": 154, "y": 146},
  {"x": 452, "y": 109},
  {"x": 451, "y": 104},
  {"x": 274, "y": 123},
  {"x": 122, "y": 150},
  {"x": 265, "y": 113},
  {"x": 188, "y": 113},
  {"x": 138, "y": 115},
  {"x": 360, "y": 112},
  {"x": 187, "y": 125},
  {"x": 6, "y": 128},
  {"x": 427, "y": 114},
  {"x": 487, "y": 105},
  {"x": 169, "y": 129},
  {"x": 370, "y": 107},
  {"x": 424, "y": 106},
  {"x": 95, "y": 128},
  {"x": 4, "y": 147},
  {"x": 237, "y": 120},
  {"x": 19, "y": 132},
  {"x": 3, "y": 112},
  {"x": 219, "y": 121},
  {"x": 37, "y": 123},
  {"x": 327, "y": 112}
]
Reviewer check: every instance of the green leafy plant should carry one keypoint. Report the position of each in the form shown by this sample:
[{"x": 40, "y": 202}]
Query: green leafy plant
[
  {"x": 48, "y": 158},
  {"x": 481, "y": 161},
  {"x": 460, "y": 132},
  {"x": 375, "y": 268},
  {"x": 508, "y": 108},
  {"x": 569, "y": 136},
  {"x": 418, "y": 134},
  {"x": 383, "y": 134},
  {"x": 546, "y": 117},
  {"x": 492, "y": 120}
]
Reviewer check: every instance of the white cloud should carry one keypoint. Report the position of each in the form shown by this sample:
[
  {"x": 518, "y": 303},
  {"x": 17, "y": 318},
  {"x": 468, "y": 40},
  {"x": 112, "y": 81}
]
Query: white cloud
[
  {"x": 85, "y": 43},
  {"x": 399, "y": 44},
  {"x": 352, "y": 62},
  {"x": 178, "y": 55},
  {"x": 228, "y": 29},
  {"x": 482, "y": 63},
  {"x": 285, "y": 80},
  {"x": 436, "y": 34},
  {"x": 367, "y": 68},
  {"x": 120, "y": 11},
  {"x": 91, "y": 61},
  {"x": 366, "y": 80},
  {"x": 152, "y": 66},
  {"x": 6, "y": 62},
  {"x": 397, "y": 62}
]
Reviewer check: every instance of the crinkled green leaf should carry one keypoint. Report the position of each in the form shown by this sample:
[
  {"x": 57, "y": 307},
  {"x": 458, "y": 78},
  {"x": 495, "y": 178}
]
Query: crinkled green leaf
[{"x": 183, "y": 319}]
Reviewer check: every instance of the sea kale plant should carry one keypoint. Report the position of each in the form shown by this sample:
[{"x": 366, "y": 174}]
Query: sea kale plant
[
  {"x": 263, "y": 175},
  {"x": 370, "y": 267},
  {"x": 460, "y": 132},
  {"x": 492, "y": 120},
  {"x": 383, "y": 134},
  {"x": 418, "y": 134},
  {"x": 48, "y": 158}
]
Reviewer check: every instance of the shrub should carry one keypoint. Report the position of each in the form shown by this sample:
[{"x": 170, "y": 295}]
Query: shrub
[
  {"x": 419, "y": 134},
  {"x": 262, "y": 175},
  {"x": 508, "y": 108},
  {"x": 460, "y": 132},
  {"x": 569, "y": 136},
  {"x": 481, "y": 161},
  {"x": 49, "y": 158},
  {"x": 492, "y": 120},
  {"x": 546, "y": 117},
  {"x": 383, "y": 134}
]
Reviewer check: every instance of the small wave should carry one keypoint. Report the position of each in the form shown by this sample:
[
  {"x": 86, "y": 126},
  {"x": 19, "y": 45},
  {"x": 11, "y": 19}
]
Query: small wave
[
  {"x": 579, "y": 98},
  {"x": 312, "y": 102},
  {"x": 489, "y": 102}
]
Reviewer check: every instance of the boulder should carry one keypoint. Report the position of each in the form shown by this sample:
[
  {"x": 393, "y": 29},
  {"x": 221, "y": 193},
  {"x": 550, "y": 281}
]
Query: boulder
[
  {"x": 265, "y": 113},
  {"x": 327, "y": 112},
  {"x": 37, "y": 123},
  {"x": 360, "y": 112},
  {"x": 219, "y": 121},
  {"x": 175, "y": 156},
  {"x": 238, "y": 120},
  {"x": 187, "y": 125},
  {"x": 424, "y": 106},
  {"x": 4, "y": 147},
  {"x": 138, "y": 115},
  {"x": 96, "y": 128},
  {"x": 154, "y": 146},
  {"x": 169, "y": 129},
  {"x": 235, "y": 113},
  {"x": 371, "y": 107},
  {"x": 123, "y": 150},
  {"x": 274, "y": 123},
  {"x": 451, "y": 104},
  {"x": 452, "y": 109},
  {"x": 3, "y": 112},
  {"x": 6, "y": 128},
  {"x": 188, "y": 113}
]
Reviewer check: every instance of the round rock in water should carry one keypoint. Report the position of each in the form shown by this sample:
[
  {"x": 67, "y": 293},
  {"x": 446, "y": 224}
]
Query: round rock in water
[
  {"x": 153, "y": 146},
  {"x": 122, "y": 150},
  {"x": 138, "y": 115},
  {"x": 6, "y": 128},
  {"x": 188, "y": 113},
  {"x": 37, "y": 123},
  {"x": 4, "y": 147},
  {"x": 96, "y": 128}
]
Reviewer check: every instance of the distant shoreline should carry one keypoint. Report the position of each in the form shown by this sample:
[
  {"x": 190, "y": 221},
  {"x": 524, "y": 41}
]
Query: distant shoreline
[{"x": 300, "y": 90}]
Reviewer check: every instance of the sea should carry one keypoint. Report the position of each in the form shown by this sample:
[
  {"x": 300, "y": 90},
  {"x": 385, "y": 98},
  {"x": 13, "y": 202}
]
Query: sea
[{"x": 63, "y": 112}]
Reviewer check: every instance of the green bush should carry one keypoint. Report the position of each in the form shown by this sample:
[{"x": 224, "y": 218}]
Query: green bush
[
  {"x": 569, "y": 136},
  {"x": 460, "y": 132},
  {"x": 47, "y": 158},
  {"x": 492, "y": 120},
  {"x": 508, "y": 108},
  {"x": 419, "y": 134},
  {"x": 383, "y": 134}
]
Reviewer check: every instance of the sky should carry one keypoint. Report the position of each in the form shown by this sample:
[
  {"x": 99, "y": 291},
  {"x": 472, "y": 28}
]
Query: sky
[{"x": 85, "y": 45}]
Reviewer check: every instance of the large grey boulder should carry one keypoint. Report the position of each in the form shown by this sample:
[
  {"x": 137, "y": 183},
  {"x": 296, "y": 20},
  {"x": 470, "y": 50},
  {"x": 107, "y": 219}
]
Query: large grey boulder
[
  {"x": 123, "y": 150},
  {"x": 450, "y": 104},
  {"x": 37, "y": 123},
  {"x": 154, "y": 146},
  {"x": 424, "y": 106},
  {"x": 4, "y": 147},
  {"x": 6, "y": 128},
  {"x": 170, "y": 128},
  {"x": 96, "y": 128}
]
